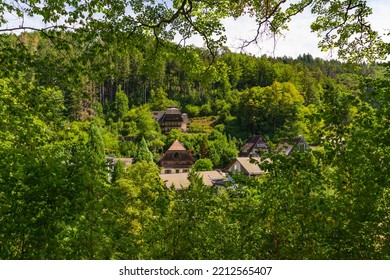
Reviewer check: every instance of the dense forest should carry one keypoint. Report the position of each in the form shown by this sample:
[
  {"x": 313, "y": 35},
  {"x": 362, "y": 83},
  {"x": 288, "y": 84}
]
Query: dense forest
[{"x": 69, "y": 99}]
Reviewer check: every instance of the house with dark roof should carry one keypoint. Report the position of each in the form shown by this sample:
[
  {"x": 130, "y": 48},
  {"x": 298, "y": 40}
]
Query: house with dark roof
[
  {"x": 177, "y": 159},
  {"x": 249, "y": 158},
  {"x": 287, "y": 146},
  {"x": 258, "y": 143},
  {"x": 253, "y": 145},
  {"x": 170, "y": 119}
]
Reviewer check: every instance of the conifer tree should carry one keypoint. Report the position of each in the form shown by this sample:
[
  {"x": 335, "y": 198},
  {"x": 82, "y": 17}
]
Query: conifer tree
[
  {"x": 119, "y": 171},
  {"x": 121, "y": 104},
  {"x": 143, "y": 152}
]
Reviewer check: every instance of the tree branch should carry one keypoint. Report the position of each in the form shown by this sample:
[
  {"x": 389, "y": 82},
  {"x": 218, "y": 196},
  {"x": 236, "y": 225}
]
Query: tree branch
[
  {"x": 36, "y": 29},
  {"x": 265, "y": 21}
]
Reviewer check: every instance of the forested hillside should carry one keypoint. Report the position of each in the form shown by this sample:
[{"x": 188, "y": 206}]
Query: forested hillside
[{"x": 68, "y": 101}]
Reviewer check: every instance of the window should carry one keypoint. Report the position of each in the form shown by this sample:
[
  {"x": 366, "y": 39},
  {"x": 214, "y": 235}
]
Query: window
[
  {"x": 177, "y": 170},
  {"x": 168, "y": 171}
]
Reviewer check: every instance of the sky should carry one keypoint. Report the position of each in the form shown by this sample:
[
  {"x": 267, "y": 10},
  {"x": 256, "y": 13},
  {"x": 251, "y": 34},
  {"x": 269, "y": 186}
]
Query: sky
[{"x": 298, "y": 40}]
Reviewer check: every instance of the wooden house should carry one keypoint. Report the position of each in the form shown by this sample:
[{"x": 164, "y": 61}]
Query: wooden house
[
  {"x": 170, "y": 119},
  {"x": 253, "y": 145},
  {"x": 176, "y": 159}
]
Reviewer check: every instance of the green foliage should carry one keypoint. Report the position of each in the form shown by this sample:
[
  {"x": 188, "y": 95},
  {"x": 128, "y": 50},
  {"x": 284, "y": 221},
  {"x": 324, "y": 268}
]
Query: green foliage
[
  {"x": 111, "y": 144},
  {"x": 49, "y": 185},
  {"x": 205, "y": 109},
  {"x": 308, "y": 122},
  {"x": 220, "y": 149},
  {"x": 192, "y": 110},
  {"x": 64, "y": 105},
  {"x": 121, "y": 104},
  {"x": 143, "y": 153},
  {"x": 96, "y": 144},
  {"x": 138, "y": 200},
  {"x": 174, "y": 134},
  {"x": 197, "y": 226},
  {"x": 119, "y": 171},
  {"x": 203, "y": 164},
  {"x": 267, "y": 109},
  {"x": 159, "y": 100},
  {"x": 138, "y": 123}
]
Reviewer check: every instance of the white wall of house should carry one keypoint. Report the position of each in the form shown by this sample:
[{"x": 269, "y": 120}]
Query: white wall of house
[
  {"x": 236, "y": 167},
  {"x": 174, "y": 170}
]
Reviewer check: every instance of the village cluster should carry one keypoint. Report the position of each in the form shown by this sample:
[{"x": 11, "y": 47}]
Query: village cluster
[{"x": 177, "y": 161}]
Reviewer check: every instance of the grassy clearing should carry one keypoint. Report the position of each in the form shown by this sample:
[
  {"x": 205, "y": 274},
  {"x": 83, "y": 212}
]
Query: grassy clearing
[{"x": 203, "y": 124}]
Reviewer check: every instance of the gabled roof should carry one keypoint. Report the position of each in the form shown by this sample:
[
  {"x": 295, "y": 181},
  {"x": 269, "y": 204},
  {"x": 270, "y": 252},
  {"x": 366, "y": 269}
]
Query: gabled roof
[
  {"x": 182, "y": 157},
  {"x": 172, "y": 114},
  {"x": 287, "y": 146},
  {"x": 157, "y": 115},
  {"x": 177, "y": 146},
  {"x": 177, "y": 152},
  {"x": 180, "y": 180},
  {"x": 245, "y": 162},
  {"x": 177, "y": 180},
  {"x": 252, "y": 145}
]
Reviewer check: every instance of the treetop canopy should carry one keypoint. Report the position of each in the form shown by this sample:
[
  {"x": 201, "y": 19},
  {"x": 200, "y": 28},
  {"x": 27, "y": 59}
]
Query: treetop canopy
[{"x": 340, "y": 24}]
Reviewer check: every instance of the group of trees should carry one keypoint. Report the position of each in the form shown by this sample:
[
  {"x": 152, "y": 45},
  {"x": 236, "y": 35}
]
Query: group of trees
[{"x": 70, "y": 97}]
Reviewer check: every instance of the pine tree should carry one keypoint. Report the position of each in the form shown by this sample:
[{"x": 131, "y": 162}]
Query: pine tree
[
  {"x": 121, "y": 104},
  {"x": 143, "y": 152}
]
